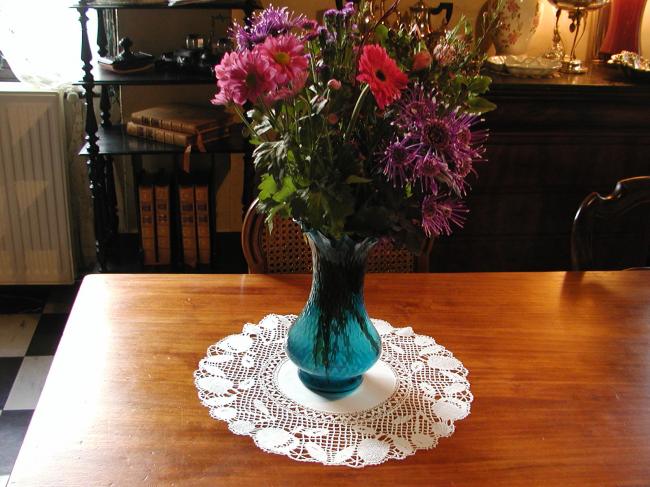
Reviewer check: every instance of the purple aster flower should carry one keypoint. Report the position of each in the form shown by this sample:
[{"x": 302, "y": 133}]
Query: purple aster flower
[
  {"x": 449, "y": 145},
  {"x": 309, "y": 24},
  {"x": 271, "y": 21},
  {"x": 466, "y": 144},
  {"x": 431, "y": 168},
  {"x": 439, "y": 213},
  {"x": 415, "y": 109},
  {"x": 324, "y": 35},
  {"x": 399, "y": 160},
  {"x": 349, "y": 7}
]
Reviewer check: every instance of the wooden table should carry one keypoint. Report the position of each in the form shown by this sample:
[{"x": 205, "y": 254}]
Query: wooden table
[{"x": 559, "y": 367}]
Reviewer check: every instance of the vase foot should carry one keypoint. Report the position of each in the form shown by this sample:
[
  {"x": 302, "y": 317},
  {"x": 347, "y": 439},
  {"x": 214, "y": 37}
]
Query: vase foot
[{"x": 329, "y": 386}]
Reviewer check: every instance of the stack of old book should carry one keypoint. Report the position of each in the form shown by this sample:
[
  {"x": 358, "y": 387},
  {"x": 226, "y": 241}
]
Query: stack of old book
[
  {"x": 194, "y": 213},
  {"x": 175, "y": 225},
  {"x": 155, "y": 219},
  {"x": 182, "y": 125}
]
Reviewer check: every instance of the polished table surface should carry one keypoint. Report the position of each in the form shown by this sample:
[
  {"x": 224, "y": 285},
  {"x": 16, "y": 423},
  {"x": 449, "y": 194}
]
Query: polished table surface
[{"x": 559, "y": 365}]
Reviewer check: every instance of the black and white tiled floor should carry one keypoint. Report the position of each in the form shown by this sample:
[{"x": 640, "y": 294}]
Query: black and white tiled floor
[{"x": 32, "y": 320}]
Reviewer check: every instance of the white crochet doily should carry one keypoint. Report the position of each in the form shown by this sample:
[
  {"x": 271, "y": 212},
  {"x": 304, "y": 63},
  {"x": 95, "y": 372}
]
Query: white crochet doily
[{"x": 407, "y": 401}]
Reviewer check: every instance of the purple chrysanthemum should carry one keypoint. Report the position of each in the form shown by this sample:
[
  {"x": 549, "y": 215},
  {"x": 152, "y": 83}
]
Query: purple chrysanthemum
[
  {"x": 449, "y": 146},
  {"x": 271, "y": 21},
  {"x": 439, "y": 213},
  {"x": 431, "y": 168},
  {"x": 399, "y": 160},
  {"x": 415, "y": 109},
  {"x": 467, "y": 144}
]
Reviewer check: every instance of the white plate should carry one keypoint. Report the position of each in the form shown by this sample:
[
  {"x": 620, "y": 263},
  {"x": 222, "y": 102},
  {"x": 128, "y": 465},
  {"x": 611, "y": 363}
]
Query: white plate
[
  {"x": 496, "y": 63},
  {"x": 523, "y": 65}
]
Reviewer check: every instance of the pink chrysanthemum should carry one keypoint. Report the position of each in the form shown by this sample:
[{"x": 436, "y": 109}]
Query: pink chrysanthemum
[
  {"x": 289, "y": 90},
  {"x": 445, "y": 54},
  {"x": 382, "y": 74},
  {"x": 242, "y": 76},
  {"x": 286, "y": 54},
  {"x": 439, "y": 213}
]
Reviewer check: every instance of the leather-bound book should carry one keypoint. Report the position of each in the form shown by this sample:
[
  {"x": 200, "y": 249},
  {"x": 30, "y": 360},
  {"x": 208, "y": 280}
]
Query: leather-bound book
[
  {"x": 176, "y": 138},
  {"x": 202, "y": 197},
  {"x": 188, "y": 223},
  {"x": 147, "y": 220},
  {"x": 163, "y": 233},
  {"x": 179, "y": 117},
  {"x": 160, "y": 135}
]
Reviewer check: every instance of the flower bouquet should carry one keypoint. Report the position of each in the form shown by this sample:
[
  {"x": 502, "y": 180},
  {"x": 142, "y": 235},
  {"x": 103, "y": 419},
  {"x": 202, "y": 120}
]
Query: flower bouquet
[{"x": 364, "y": 129}]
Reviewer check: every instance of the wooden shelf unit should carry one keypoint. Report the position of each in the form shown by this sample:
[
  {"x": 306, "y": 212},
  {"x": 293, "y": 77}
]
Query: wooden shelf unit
[{"x": 104, "y": 139}]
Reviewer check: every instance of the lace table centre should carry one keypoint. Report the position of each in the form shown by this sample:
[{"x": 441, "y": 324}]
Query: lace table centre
[{"x": 407, "y": 401}]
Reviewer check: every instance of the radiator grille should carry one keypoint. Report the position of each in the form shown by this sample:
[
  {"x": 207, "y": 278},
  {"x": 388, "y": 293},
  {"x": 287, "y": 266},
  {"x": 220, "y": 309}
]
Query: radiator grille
[{"x": 35, "y": 243}]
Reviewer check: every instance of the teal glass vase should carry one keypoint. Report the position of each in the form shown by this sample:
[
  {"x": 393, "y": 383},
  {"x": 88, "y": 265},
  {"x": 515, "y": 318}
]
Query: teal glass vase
[{"x": 333, "y": 342}]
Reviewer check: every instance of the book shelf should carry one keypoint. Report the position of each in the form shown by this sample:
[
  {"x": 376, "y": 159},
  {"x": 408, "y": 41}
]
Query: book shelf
[
  {"x": 115, "y": 141},
  {"x": 104, "y": 140},
  {"x": 226, "y": 5},
  {"x": 148, "y": 78}
]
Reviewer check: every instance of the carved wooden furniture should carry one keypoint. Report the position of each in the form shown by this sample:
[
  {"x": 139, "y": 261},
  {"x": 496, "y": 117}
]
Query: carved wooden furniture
[
  {"x": 284, "y": 250},
  {"x": 109, "y": 140},
  {"x": 552, "y": 141},
  {"x": 557, "y": 363},
  {"x": 601, "y": 210}
]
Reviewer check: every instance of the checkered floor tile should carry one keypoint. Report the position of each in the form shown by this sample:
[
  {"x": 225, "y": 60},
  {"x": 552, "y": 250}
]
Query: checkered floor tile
[{"x": 32, "y": 320}]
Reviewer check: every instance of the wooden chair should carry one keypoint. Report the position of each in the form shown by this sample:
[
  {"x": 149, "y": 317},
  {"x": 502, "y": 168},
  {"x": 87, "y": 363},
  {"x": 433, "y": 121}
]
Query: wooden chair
[
  {"x": 627, "y": 195},
  {"x": 285, "y": 250}
]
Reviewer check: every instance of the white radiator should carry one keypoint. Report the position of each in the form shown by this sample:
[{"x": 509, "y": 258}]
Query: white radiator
[{"x": 35, "y": 243}]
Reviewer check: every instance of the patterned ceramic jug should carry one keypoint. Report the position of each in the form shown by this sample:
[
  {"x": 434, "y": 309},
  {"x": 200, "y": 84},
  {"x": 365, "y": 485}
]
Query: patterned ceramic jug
[{"x": 519, "y": 22}]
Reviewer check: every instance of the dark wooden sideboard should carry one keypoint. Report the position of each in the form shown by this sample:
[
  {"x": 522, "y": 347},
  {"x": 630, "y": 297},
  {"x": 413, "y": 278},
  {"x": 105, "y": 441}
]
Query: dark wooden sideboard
[{"x": 552, "y": 142}]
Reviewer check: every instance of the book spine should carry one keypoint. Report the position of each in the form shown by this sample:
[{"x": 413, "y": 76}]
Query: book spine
[
  {"x": 188, "y": 225},
  {"x": 203, "y": 222},
  {"x": 175, "y": 125},
  {"x": 159, "y": 135},
  {"x": 147, "y": 227},
  {"x": 163, "y": 234}
]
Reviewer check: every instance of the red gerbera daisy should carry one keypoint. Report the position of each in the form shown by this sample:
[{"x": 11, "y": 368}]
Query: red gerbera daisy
[{"x": 385, "y": 79}]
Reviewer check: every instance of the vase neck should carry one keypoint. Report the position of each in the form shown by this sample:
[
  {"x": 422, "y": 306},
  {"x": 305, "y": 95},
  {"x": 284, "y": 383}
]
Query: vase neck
[{"x": 339, "y": 263}]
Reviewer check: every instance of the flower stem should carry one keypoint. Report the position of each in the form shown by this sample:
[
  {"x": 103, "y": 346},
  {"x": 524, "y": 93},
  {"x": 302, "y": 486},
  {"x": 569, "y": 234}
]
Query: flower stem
[
  {"x": 241, "y": 115},
  {"x": 355, "y": 112}
]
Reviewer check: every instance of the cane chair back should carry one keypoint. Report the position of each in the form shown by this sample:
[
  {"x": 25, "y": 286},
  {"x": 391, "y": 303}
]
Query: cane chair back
[
  {"x": 285, "y": 250},
  {"x": 597, "y": 211}
]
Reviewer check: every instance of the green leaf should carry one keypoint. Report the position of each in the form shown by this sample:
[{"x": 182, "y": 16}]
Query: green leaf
[
  {"x": 314, "y": 212},
  {"x": 319, "y": 105},
  {"x": 338, "y": 203},
  {"x": 267, "y": 187},
  {"x": 480, "y": 105},
  {"x": 480, "y": 84},
  {"x": 381, "y": 33},
  {"x": 374, "y": 220},
  {"x": 288, "y": 188},
  {"x": 354, "y": 179}
]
